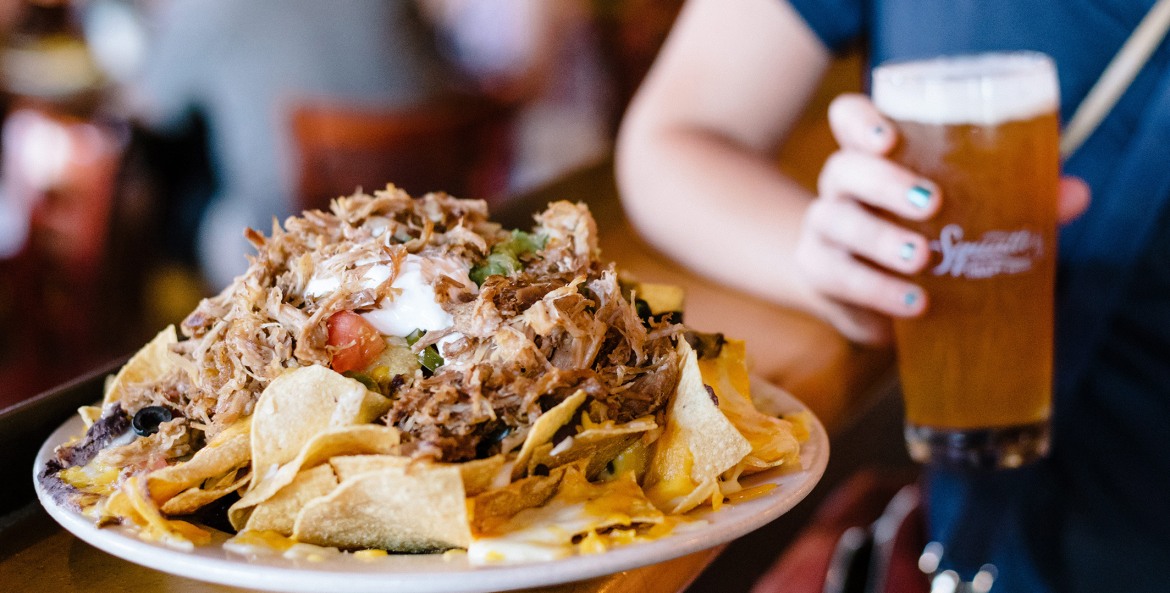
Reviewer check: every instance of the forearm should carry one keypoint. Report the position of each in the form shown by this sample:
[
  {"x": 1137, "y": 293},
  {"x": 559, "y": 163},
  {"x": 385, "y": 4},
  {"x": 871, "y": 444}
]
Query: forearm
[
  {"x": 696, "y": 153},
  {"x": 721, "y": 209}
]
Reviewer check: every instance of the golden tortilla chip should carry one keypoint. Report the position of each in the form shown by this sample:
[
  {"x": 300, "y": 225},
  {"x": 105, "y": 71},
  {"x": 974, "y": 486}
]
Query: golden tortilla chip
[
  {"x": 495, "y": 507},
  {"x": 596, "y": 445},
  {"x": 617, "y": 502},
  {"x": 151, "y": 362},
  {"x": 193, "y": 499},
  {"x": 302, "y": 403},
  {"x": 634, "y": 459},
  {"x": 550, "y": 530},
  {"x": 227, "y": 451},
  {"x": 132, "y": 506},
  {"x": 698, "y": 444},
  {"x": 89, "y": 415},
  {"x": 545, "y": 427},
  {"x": 349, "y": 466},
  {"x": 702, "y": 493},
  {"x": 347, "y": 440},
  {"x": 773, "y": 440},
  {"x": 478, "y": 475},
  {"x": 419, "y": 508},
  {"x": 481, "y": 475},
  {"x": 661, "y": 298},
  {"x": 279, "y": 513}
]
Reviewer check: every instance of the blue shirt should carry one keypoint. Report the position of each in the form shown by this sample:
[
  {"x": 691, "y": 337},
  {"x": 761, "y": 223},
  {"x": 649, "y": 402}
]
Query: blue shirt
[{"x": 1094, "y": 516}]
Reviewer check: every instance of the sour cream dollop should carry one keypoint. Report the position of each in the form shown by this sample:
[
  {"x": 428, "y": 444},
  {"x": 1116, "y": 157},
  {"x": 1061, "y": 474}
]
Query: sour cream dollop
[{"x": 413, "y": 306}]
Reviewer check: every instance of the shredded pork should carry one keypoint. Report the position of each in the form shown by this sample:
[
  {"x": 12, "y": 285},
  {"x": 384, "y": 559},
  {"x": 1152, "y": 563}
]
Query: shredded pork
[{"x": 519, "y": 344}]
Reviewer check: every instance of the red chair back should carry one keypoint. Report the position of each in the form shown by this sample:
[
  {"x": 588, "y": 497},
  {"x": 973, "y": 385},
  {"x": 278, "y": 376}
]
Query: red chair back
[{"x": 454, "y": 145}]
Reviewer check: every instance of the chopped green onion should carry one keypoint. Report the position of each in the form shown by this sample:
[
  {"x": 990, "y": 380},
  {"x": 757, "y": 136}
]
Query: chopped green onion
[
  {"x": 430, "y": 358},
  {"x": 505, "y": 256},
  {"x": 414, "y": 336}
]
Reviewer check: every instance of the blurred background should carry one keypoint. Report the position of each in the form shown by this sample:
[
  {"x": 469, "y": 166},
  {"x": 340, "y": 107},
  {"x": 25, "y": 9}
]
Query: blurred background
[{"x": 139, "y": 137}]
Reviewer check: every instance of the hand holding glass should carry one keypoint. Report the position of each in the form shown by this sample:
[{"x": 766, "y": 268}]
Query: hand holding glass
[{"x": 976, "y": 368}]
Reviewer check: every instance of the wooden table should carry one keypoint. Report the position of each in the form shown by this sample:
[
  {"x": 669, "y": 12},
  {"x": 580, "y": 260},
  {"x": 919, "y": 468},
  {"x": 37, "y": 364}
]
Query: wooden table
[{"x": 795, "y": 351}]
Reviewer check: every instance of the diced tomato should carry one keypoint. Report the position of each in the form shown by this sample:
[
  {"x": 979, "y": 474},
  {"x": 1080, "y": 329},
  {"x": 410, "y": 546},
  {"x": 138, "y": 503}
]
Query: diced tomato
[{"x": 355, "y": 342}]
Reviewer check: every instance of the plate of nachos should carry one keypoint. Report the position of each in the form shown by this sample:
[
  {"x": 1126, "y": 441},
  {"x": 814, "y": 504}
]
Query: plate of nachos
[{"x": 401, "y": 395}]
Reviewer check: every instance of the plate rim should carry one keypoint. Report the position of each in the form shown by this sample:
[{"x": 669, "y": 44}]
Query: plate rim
[{"x": 308, "y": 578}]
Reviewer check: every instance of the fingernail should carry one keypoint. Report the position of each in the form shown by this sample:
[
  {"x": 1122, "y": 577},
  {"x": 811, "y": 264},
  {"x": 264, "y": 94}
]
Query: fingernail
[
  {"x": 879, "y": 130},
  {"x": 919, "y": 196},
  {"x": 906, "y": 252},
  {"x": 911, "y": 298}
]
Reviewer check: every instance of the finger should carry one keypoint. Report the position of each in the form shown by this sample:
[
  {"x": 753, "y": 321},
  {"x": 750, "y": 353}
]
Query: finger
[
  {"x": 861, "y": 326},
  {"x": 859, "y": 231},
  {"x": 880, "y": 183},
  {"x": 837, "y": 275},
  {"x": 856, "y": 124},
  {"x": 1074, "y": 199}
]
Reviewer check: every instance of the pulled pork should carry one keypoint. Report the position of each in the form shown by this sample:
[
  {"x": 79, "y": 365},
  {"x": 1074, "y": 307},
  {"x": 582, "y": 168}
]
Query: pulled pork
[
  {"x": 264, "y": 323},
  {"x": 535, "y": 337},
  {"x": 556, "y": 322}
]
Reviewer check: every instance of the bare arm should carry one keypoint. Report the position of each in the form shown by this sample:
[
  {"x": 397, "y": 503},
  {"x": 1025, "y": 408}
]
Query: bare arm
[
  {"x": 698, "y": 178},
  {"x": 696, "y": 164},
  {"x": 696, "y": 153}
]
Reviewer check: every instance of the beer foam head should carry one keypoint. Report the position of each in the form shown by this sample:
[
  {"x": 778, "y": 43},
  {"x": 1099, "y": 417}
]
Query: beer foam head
[{"x": 985, "y": 89}]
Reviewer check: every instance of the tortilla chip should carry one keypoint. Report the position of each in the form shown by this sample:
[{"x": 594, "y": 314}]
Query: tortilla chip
[
  {"x": 635, "y": 459},
  {"x": 349, "y": 466},
  {"x": 596, "y": 445},
  {"x": 577, "y": 508},
  {"x": 617, "y": 502},
  {"x": 698, "y": 444},
  {"x": 802, "y": 422},
  {"x": 279, "y": 513},
  {"x": 131, "y": 505},
  {"x": 193, "y": 499},
  {"x": 151, "y": 362},
  {"x": 419, "y": 508},
  {"x": 227, "y": 451},
  {"x": 347, "y": 440},
  {"x": 478, "y": 475},
  {"x": 495, "y": 507},
  {"x": 302, "y": 403},
  {"x": 89, "y": 415},
  {"x": 545, "y": 427},
  {"x": 661, "y": 298},
  {"x": 481, "y": 475},
  {"x": 703, "y": 492},
  {"x": 773, "y": 440}
]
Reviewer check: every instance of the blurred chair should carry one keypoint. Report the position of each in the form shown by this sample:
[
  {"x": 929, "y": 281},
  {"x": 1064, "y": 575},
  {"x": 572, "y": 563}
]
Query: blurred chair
[
  {"x": 63, "y": 172},
  {"x": 631, "y": 32},
  {"x": 21, "y": 366},
  {"x": 457, "y": 145}
]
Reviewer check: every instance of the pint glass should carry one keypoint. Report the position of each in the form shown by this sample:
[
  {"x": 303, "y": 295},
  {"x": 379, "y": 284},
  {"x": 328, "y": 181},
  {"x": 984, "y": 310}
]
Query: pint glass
[{"x": 976, "y": 368}]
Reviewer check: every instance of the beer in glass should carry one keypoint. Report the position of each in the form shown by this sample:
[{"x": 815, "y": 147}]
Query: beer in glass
[{"x": 976, "y": 368}]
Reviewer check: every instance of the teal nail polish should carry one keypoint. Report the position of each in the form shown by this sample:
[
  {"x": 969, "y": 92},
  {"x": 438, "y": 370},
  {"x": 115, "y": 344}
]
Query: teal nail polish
[
  {"x": 919, "y": 196},
  {"x": 907, "y": 251},
  {"x": 910, "y": 299}
]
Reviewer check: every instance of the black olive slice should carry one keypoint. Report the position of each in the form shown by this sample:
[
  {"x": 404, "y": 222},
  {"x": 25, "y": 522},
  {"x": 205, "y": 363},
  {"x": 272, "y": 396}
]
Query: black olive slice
[{"x": 147, "y": 420}]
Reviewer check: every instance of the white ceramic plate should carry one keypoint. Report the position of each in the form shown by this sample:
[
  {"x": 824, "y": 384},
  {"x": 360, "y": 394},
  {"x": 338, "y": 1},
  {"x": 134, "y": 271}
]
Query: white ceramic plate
[{"x": 451, "y": 573}]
